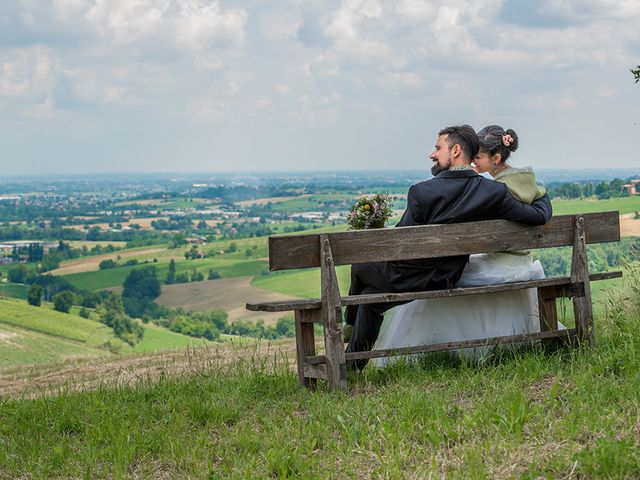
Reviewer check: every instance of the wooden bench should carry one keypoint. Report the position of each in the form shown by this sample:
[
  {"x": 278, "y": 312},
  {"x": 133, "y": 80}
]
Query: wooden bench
[{"x": 431, "y": 241}]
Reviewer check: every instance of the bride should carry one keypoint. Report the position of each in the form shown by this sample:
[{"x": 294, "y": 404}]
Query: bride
[{"x": 424, "y": 322}]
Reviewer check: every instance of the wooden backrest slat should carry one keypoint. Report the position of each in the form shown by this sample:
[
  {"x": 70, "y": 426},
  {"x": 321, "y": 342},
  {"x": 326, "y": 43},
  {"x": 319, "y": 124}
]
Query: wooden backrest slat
[{"x": 431, "y": 241}]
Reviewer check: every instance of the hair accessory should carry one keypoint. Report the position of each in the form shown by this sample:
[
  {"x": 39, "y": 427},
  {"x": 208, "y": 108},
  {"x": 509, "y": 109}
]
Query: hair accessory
[{"x": 507, "y": 140}]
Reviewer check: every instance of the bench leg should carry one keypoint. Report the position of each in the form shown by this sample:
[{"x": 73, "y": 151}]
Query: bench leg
[
  {"x": 582, "y": 309},
  {"x": 334, "y": 350},
  {"x": 548, "y": 312},
  {"x": 305, "y": 343}
]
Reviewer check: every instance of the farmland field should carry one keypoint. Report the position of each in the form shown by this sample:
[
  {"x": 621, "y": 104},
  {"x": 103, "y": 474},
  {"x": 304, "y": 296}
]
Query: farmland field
[
  {"x": 230, "y": 295},
  {"x": 301, "y": 283},
  {"x": 622, "y": 204},
  {"x": 89, "y": 264},
  {"x": 13, "y": 290},
  {"x": 27, "y": 347},
  {"x": 157, "y": 338},
  {"x": 50, "y": 322},
  {"x": 113, "y": 277}
]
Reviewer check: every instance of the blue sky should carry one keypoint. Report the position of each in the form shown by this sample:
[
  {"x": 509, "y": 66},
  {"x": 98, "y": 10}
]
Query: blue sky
[{"x": 192, "y": 85}]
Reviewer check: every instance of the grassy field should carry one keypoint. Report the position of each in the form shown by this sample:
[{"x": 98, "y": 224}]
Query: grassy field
[
  {"x": 300, "y": 283},
  {"x": 157, "y": 338},
  {"x": 32, "y": 335},
  {"x": 226, "y": 266},
  {"x": 13, "y": 290},
  {"x": 50, "y": 322},
  {"x": 19, "y": 346},
  {"x": 528, "y": 414},
  {"x": 312, "y": 202},
  {"x": 622, "y": 204}
]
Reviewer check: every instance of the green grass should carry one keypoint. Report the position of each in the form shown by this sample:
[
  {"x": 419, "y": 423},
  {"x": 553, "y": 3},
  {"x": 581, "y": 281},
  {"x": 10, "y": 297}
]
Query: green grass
[
  {"x": 13, "y": 290},
  {"x": 20, "y": 346},
  {"x": 622, "y": 204},
  {"x": 157, "y": 338},
  {"x": 41, "y": 335},
  {"x": 50, "y": 322},
  {"x": 301, "y": 283},
  {"x": 529, "y": 414}
]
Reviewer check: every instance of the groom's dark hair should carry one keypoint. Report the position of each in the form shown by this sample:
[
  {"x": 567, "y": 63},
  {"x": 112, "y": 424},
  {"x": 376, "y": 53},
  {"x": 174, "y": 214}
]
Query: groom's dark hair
[{"x": 465, "y": 136}]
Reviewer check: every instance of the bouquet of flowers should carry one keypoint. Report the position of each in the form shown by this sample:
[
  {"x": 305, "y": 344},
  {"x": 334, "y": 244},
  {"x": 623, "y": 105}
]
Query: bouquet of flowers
[{"x": 370, "y": 212}]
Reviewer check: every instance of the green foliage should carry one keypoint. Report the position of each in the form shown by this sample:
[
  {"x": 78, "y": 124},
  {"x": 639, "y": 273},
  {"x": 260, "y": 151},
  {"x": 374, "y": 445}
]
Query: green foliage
[
  {"x": 18, "y": 273},
  {"x": 601, "y": 256},
  {"x": 636, "y": 73},
  {"x": 171, "y": 274},
  {"x": 213, "y": 275},
  {"x": 63, "y": 301},
  {"x": 192, "y": 253},
  {"x": 108, "y": 263},
  {"x": 195, "y": 324},
  {"x": 140, "y": 288},
  {"x": 111, "y": 313},
  {"x": 34, "y": 295}
]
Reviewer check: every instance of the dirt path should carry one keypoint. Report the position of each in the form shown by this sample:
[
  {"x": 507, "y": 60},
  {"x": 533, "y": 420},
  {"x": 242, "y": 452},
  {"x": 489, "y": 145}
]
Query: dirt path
[
  {"x": 229, "y": 294},
  {"x": 91, "y": 264},
  {"x": 90, "y": 373},
  {"x": 629, "y": 226}
]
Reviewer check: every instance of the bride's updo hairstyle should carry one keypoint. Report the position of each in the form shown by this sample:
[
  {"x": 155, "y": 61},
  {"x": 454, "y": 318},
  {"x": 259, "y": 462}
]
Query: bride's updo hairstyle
[{"x": 494, "y": 139}]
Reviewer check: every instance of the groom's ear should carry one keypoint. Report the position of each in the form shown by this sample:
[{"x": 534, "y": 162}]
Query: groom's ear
[{"x": 456, "y": 150}]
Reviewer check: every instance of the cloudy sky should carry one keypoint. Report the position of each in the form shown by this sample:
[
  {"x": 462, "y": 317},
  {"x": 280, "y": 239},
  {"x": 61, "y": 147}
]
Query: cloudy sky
[{"x": 201, "y": 85}]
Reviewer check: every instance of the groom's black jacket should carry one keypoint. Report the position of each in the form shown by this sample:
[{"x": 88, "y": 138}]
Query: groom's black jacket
[{"x": 455, "y": 196}]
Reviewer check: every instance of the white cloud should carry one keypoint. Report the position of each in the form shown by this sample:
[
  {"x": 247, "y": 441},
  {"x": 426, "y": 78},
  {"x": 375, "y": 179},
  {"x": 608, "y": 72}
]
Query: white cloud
[
  {"x": 190, "y": 24},
  {"x": 202, "y": 25},
  {"x": 28, "y": 71},
  {"x": 127, "y": 20}
]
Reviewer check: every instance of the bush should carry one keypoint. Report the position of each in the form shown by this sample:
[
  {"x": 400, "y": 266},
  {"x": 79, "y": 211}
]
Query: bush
[
  {"x": 84, "y": 313},
  {"x": 213, "y": 275},
  {"x": 111, "y": 314},
  {"x": 34, "y": 295},
  {"x": 63, "y": 301},
  {"x": 182, "y": 278},
  {"x": 18, "y": 274},
  {"x": 105, "y": 264}
]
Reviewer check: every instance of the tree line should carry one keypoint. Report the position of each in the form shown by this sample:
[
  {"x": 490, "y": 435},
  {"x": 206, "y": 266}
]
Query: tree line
[{"x": 601, "y": 190}]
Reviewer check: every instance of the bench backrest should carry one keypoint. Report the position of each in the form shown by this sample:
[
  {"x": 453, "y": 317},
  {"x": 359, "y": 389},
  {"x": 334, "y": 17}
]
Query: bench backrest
[{"x": 431, "y": 241}]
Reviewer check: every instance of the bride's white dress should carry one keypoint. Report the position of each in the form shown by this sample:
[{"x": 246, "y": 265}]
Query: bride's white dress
[{"x": 425, "y": 322}]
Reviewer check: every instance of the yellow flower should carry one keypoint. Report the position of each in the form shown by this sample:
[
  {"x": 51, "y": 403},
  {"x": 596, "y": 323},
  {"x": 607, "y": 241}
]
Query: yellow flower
[{"x": 366, "y": 206}]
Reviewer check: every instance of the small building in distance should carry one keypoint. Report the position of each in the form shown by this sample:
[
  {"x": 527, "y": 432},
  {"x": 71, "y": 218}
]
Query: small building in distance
[
  {"x": 632, "y": 188},
  {"x": 196, "y": 240}
]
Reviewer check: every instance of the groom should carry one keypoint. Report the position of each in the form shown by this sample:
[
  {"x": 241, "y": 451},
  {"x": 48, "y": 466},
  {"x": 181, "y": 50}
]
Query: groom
[{"x": 455, "y": 194}]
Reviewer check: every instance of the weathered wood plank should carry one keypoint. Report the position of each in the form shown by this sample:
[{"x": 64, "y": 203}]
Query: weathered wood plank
[
  {"x": 312, "y": 303},
  {"x": 331, "y": 316},
  {"x": 547, "y": 307},
  {"x": 548, "y": 311},
  {"x": 582, "y": 309},
  {"x": 314, "y": 372},
  {"x": 305, "y": 344},
  {"x": 432, "y": 241},
  {"x": 527, "y": 337}
]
